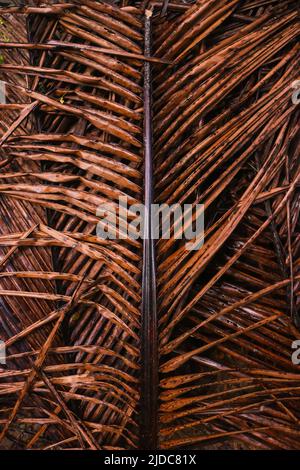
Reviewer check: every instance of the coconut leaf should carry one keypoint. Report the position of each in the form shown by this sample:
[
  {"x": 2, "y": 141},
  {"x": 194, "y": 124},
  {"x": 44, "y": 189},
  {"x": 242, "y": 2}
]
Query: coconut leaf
[{"x": 124, "y": 344}]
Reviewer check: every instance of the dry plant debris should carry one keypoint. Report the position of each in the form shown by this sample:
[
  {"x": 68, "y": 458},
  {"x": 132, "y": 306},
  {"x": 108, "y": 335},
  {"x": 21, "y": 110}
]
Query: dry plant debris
[{"x": 225, "y": 134}]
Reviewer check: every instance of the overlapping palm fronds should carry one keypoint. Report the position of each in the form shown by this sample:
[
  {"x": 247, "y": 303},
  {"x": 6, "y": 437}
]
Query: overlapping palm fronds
[
  {"x": 84, "y": 151},
  {"x": 225, "y": 134}
]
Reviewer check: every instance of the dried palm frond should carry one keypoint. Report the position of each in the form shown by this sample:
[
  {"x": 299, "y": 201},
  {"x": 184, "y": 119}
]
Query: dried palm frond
[
  {"x": 227, "y": 136},
  {"x": 89, "y": 365}
]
